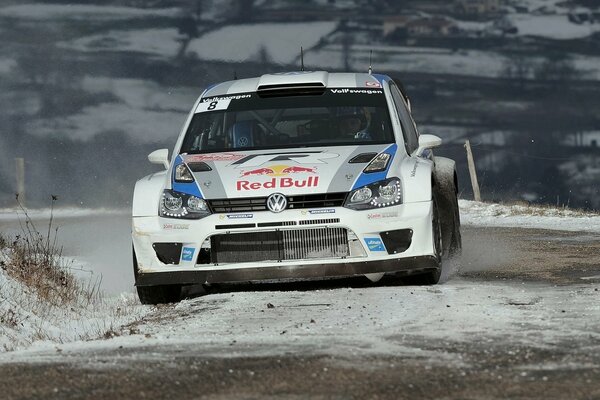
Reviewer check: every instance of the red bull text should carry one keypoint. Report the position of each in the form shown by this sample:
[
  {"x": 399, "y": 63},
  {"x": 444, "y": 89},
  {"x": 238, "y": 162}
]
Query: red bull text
[{"x": 277, "y": 183}]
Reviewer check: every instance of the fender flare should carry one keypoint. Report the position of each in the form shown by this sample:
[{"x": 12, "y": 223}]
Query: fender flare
[
  {"x": 417, "y": 179},
  {"x": 147, "y": 193}
]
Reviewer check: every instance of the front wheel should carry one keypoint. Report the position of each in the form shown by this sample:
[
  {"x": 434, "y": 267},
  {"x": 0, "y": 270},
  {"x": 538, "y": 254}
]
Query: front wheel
[{"x": 161, "y": 294}]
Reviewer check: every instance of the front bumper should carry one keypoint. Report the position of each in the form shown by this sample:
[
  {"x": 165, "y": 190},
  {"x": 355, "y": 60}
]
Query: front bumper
[{"x": 370, "y": 231}]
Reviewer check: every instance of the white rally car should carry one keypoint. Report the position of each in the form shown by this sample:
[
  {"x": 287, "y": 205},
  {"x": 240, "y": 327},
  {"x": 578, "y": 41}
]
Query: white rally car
[{"x": 295, "y": 175}]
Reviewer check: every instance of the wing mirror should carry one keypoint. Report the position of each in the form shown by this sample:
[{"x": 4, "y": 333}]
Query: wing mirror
[
  {"x": 160, "y": 157},
  {"x": 427, "y": 142}
]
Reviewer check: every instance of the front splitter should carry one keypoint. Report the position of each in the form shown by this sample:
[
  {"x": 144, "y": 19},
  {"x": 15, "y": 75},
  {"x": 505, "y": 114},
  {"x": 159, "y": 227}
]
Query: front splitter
[{"x": 300, "y": 271}]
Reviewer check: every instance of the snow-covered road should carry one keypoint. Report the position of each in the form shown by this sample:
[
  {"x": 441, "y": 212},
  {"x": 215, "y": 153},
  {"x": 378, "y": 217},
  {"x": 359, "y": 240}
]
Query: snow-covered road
[{"x": 519, "y": 317}]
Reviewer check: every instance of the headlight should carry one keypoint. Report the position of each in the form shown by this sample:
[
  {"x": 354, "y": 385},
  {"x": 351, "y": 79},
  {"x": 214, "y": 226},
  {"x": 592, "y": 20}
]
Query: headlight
[
  {"x": 181, "y": 205},
  {"x": 379, "y": 194}
]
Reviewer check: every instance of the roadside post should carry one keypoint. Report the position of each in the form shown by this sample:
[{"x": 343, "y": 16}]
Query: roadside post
[
  {"x": 20, "y": 164},
  {"x": 472, "y": 171}
]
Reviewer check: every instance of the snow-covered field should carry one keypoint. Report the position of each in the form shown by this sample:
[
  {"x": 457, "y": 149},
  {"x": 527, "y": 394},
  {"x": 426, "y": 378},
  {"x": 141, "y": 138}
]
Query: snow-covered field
[{"x": 144, "y": 110}]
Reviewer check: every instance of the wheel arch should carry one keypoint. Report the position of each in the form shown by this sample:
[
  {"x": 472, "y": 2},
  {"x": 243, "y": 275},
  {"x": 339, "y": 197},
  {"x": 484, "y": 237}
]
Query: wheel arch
[{"x": 146, "y": 194}]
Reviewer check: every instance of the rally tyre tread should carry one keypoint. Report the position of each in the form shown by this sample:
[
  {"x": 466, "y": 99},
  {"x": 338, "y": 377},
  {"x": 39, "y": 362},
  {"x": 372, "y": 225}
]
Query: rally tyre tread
[
  {"x": 161, "y": 294},
  {"x": 445, "y": 187}
]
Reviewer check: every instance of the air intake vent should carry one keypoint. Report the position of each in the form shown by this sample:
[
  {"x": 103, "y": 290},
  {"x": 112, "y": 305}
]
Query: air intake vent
[
  {"x": 295, "y": 89},
  {"x": 362, "y": 158}
]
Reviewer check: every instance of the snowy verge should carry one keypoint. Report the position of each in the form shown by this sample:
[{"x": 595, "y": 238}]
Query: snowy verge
[
  {"x": 524, "y": 216},
  {"x": 26, "y": 318}
]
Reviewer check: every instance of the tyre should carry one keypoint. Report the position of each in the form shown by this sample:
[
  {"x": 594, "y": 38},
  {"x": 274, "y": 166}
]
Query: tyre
[
  {"x": 160, "y": 294},
  {"x": 446, "y": 188}
]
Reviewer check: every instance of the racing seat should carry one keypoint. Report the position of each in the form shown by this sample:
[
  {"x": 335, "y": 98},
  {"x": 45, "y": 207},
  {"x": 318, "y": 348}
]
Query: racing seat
[{"x": 244, "y": 134}]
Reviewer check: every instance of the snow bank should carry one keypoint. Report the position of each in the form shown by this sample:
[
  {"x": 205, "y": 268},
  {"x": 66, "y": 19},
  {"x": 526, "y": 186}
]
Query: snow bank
[
  {"x": 26, "y": 319},
  {"x": 521, "y": 216}
]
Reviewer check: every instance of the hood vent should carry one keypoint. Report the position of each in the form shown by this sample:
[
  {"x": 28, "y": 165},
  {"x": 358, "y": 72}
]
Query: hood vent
[
  {"x": 294, "y": 89},
  {"x": 199, "y": 167},
  {"x": 362, "y": 158}
]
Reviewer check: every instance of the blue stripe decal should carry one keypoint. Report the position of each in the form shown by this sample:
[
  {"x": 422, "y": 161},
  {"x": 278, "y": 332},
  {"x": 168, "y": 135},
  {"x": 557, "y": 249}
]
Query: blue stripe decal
[
  {"x": 366, "y": 179},
  {"x": 210, "y": 87},
  {"x": 382, "y": 78},
  {"x": 187, "y": 188}
]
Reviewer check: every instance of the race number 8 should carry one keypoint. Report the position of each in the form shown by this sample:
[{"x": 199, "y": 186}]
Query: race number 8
[{"x": 214, "y": 105}]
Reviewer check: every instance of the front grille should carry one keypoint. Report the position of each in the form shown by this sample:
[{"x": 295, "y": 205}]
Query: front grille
[
  {"x": 292, "y": 244},
  {"x": 294, "y": 202}
]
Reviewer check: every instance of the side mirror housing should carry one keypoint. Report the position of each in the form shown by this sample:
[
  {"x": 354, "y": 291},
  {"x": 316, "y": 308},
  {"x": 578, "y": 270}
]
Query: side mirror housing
[
  {"x": 427, "y": 142},
  {"x": 160, "y": 157}
]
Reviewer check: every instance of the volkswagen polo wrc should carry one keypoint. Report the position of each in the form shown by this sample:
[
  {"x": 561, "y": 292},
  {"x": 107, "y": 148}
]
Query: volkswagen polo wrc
[{"x": 291, "y": 176}]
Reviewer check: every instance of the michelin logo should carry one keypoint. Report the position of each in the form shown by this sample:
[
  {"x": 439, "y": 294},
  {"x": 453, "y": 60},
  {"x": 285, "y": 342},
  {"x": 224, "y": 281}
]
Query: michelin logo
[
  {"x": 325, "y": 211},
  {"x": 240, "y": 216},
  {"x": 375, "y": 244},
  {"x": 187, "y": 254}
]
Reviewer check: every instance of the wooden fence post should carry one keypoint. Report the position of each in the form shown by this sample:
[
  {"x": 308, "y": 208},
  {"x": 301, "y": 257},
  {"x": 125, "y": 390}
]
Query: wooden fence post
[
  {"x": 472, "y": 171},
  {"x": 20, "y": 164}
]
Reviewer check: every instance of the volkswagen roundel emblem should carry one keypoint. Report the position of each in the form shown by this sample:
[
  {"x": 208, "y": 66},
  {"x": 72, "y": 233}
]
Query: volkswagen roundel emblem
[{"x": 276, "y": 202}]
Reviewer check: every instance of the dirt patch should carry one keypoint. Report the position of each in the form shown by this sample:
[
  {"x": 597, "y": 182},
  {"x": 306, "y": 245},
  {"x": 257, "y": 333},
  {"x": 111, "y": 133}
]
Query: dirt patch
[{"x": 558, "y": 257}]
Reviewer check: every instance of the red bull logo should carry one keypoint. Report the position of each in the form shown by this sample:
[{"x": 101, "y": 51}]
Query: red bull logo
[
  {"x": 278, "y": 177},
  {"x": 279, "y": 170},
  {"x": 259, "y": 171},
  {"x": 295, "y": 170}
]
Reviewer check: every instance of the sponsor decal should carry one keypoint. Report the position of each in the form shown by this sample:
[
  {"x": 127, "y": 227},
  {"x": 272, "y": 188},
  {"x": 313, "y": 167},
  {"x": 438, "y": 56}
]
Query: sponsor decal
[
  {"x": 213, "y": 106},
  {"x": 322, "y": 211},
  {"x": 276, "y": 183},
  {"x": 222, "y": 98},
  {"x": 372, "y": 84},
  {"x": 240, "y": 216},
  {"x": 176, "y": 226},
  {"x": 414, "y": 170},
  {"x": 243, "y": 141},
  {"x": 303, "y": 158},
  {"x": 382, "y": 215},
  {"x": 187, "y": 254},
  {"x": 279, "y": 177},
  {"x": 356, "y": 91},
  {"x": 213, "y": 157},
  {"x": 279, "y": 170},
  {"x": 374, "y": 244}
]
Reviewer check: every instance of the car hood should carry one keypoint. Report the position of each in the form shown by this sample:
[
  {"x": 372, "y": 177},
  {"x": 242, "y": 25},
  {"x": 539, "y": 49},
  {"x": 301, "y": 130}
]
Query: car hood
[{"x": 290, "y": 171}]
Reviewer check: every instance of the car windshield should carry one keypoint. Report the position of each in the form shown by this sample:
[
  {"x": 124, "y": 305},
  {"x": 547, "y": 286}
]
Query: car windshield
[{"x": 249, "y": 122}]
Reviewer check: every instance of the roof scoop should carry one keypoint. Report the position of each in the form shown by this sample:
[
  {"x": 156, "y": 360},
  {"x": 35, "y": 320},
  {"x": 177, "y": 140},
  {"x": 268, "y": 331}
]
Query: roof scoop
[{"x": 300, "y": 83}]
